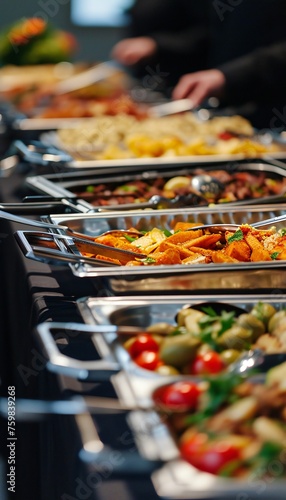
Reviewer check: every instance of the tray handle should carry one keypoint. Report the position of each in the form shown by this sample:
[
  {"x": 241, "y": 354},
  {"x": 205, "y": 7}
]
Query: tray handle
[
  {"x": 38, "y": 153},
  {"x": 51, "y": 255},
  {"x": 96, "y": 455},
  {"x": 60, "y": 363},
  {"x": 92, "y": 451}
]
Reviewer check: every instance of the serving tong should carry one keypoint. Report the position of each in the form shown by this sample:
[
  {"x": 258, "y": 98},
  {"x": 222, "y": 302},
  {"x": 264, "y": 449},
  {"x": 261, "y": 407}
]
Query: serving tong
[{"x": 86, "y": 242}]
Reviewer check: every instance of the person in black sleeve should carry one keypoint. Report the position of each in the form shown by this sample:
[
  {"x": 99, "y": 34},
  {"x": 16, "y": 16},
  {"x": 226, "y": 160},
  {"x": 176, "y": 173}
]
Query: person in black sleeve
[
  {"x": 232, "y": 51},
  {"x": 247, "y": 62},
  {"x": 165, "y": 36}
]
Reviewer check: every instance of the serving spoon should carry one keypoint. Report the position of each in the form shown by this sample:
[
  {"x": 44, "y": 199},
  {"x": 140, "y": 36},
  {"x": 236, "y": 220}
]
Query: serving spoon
[
  {"x": 207, "y": 185},
  {"x": 211, "y": 227},
  {"x": 234, "y": 227},
  {"x": 160, "y": 203},
  {"x": 215, "y": 228}
]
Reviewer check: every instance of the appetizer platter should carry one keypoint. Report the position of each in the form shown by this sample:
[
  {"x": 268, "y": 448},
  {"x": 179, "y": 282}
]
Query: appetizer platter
[{"x": 250, "y": 259}]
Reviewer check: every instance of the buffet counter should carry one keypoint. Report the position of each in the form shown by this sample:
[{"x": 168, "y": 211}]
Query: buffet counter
[{"x": 88, "y": 425}]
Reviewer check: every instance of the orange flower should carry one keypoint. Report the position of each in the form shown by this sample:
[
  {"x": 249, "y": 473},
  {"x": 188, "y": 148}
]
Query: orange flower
[{"x": 29, "y": 28}]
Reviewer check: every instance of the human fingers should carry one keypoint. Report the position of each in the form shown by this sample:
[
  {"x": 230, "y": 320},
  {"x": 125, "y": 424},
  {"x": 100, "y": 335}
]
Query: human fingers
[
  {"x": 132, "y": 50},
  {"x": 185, "y": 86},
  {"x": 199, "y": 86}
]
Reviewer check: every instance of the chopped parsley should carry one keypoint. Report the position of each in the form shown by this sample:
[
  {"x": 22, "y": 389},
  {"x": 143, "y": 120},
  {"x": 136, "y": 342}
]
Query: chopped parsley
[
  {"x": 226, "y": 319},
  {"x": 274, "y": 255},
  {"x": 237, "y": 236},
  {"x": 167, "y": 232},
  {"x": 220, "y": 391},
  {"x": 130, "y": 238},
  {"x": 149, "y": 260}
]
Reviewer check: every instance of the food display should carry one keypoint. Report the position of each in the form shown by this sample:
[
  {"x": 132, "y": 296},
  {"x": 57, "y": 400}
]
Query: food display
[
  {"x": 158, "y": 307},
  {"x": 205, "y": 341},
  {"x": 236, "y": 185},
  {"x": 123, "y": 137},
  {"x": 37, "y": 94},
  {"x": 228, "y": 426},
  {"x": 187, "y": 245},
  {"x": 111, "y": 101}
]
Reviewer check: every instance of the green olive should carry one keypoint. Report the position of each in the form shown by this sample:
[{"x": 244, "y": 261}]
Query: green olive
[
  {"x": 230, "y": 355},
  {"x": 167, "y": 370},
  {"x": 178, "y": 350},
  {"x": 264, "y": 312},
  {"x": 252, "y": 323},
  {"x": 190, "y": 319},
  {"x": 236, "y": 337},
  {"x": 161, "y": 328},
  {"x": 276, "y": 319}
]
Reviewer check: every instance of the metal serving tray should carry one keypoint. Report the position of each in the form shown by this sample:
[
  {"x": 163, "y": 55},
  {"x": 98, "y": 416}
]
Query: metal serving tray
[
  {"x": 196, "y": 278},
  {"x": 142, "y": 312},
  {"x": 106, "y": 353},
  {"x": 51, "y": 139},
  {"x": 64, "y": 185},
  {"x": 173, "y": 478}
]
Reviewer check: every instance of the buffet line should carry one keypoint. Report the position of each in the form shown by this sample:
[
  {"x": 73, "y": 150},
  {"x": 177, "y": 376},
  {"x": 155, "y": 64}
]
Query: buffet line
[{"x": 181, "y": 219}]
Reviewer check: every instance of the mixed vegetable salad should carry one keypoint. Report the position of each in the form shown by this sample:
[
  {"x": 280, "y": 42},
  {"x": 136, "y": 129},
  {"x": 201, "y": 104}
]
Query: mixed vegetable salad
[
  {"x": 208, "y": 339},
  {"x": 229, "y": 426}
]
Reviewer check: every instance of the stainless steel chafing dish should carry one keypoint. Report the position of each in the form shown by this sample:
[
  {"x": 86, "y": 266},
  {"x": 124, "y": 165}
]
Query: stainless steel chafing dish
[
  {"x": 259, "y": 276},
  {"x": 76, "y": 184},
  {"x": 173, "y": 478}
]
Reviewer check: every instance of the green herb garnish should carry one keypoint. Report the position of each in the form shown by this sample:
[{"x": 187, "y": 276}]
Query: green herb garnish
[
  {"x": 128, "y": 189},
  {"x": 129, "y": 238},
  {"x": 167, "y": 232},
  {"x": 274, "y": 255},
  {"x": 180, "y": 330},
  {"x": 226, "y": 320},
  {"x": 219, "y": 392},
  {"x": 269, "y": 453},
  {"x": 237, "y": 236},
  {"x": 149, "y": 260}
]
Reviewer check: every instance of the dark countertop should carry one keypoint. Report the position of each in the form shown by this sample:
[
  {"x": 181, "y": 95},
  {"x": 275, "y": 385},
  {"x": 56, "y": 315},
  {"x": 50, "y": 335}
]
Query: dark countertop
[{"x": 33, "y": 292}]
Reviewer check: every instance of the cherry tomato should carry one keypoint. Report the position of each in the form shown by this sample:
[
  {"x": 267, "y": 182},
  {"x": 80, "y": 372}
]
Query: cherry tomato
[
  {"x": 209, "y": 456},
  {"x": 148, "y": 359},
  {"x": 143, "y": 342},
  {"x": 181, "y": 395},
  {"x": 207, "y": 363}
]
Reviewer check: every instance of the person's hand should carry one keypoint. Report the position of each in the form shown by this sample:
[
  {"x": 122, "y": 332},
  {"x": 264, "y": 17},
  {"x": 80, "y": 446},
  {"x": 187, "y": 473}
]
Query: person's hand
[
  {"x": 199, "y": 86},
  {"x": 132, "y": 50}
]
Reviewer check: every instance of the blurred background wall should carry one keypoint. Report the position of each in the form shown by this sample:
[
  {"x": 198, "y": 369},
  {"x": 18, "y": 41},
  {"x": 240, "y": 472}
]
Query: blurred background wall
[{"x": 95, "y": 43}]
